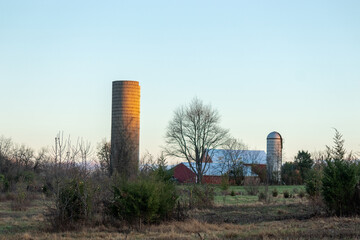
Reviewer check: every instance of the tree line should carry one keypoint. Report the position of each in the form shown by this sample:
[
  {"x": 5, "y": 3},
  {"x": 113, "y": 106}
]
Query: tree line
[{"x": 191, "y": 133}]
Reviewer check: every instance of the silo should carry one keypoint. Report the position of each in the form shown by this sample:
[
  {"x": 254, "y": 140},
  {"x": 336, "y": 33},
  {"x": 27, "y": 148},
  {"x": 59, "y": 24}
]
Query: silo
[
  {"x": 125, "y": 128},
  {"x": 274, "y": 157}
]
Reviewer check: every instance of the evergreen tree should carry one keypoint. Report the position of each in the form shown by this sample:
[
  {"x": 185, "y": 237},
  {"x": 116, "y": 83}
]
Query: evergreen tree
[
  {"x": 304, "y": 163},
  {"x": 340, "y": 179}
]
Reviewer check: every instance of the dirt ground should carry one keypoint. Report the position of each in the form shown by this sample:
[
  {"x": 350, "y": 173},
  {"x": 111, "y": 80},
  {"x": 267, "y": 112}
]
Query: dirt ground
[{"x": 244, "y": 214}]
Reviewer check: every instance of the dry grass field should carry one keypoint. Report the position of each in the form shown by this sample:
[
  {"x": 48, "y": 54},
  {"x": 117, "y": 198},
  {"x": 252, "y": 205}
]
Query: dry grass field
[{"x": 280, "y": 219}]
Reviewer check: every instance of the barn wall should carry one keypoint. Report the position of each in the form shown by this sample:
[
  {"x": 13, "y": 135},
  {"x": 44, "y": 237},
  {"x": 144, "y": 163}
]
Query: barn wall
[{"x": 184, "y": 174}]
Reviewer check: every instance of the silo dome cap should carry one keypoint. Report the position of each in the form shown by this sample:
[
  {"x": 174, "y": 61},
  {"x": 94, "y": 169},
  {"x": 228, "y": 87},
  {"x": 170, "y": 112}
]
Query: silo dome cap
[{"x": 274, "y": 135}]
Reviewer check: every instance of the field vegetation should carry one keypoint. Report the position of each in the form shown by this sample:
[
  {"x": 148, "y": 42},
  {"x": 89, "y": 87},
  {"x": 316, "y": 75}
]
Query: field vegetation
[
  {"x": 240, "y": 217},
  {"x": 58, "y": 196}
]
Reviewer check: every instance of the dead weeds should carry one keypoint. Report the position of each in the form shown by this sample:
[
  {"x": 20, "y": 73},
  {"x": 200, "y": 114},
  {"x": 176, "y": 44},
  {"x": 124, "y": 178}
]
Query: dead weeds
[{"x": 277, "y": 220}]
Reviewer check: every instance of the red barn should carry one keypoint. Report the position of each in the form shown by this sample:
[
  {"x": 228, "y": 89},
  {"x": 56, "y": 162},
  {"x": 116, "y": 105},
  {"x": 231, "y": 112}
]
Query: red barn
[
  {"x": 183, "y": 174},
  {"x": 253, "y": 161}
]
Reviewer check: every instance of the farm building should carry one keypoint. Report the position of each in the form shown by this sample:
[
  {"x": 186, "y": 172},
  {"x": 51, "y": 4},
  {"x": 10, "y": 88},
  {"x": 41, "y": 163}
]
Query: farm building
[{"x": 219, "y": 162}]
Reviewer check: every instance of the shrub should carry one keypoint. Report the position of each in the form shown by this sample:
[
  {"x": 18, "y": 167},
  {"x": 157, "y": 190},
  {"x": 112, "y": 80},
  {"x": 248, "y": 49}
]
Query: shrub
[
  {"x": 224, "y": 182},
  {"x": 260, "y": 171},
  {"x": 47, "y": 190},
  {"x": 286, "y": 194},
  {"x": 74, "y": 203},
  {"x": 252, "y": 186},
  {"x": 21, "y": 202},
  {"x": 313, "y": 183},
  {"x": 4, "y": 184},
  {"x": 232, "y": 193},
  {"x": 201, "y": 196},
  {"x": 339, "y": 186},
  {"x": 262, "y": 196},
  {"x": 26, "y": 176},
  {"x": 21, "y": 198},
  {"x": 145, "y": 200},
  {"x": 8, "y": 196},
  {"x": 2, "y": 180},
  {"x": 181, "y": 211},
  {"x": 301, "y": 194},
  {"x": 290, "y": 173},
  {"x": 274, "y": 192}
]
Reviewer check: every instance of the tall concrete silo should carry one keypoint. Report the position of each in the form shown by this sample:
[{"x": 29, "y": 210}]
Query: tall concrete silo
[
  {"x": 274, "y": 157},
  {"x": 125, "y": 128}
]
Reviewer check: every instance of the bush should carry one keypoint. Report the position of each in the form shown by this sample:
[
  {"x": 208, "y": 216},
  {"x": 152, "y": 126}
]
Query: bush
[
  {"x": 8, "y": 196},
  {"x": 2, "y": 180},
  {"x": 313, "y": 183},
  {"x": 73, "y": 203},
  {"x": 74, "y": 198},
  {"x": 224, "y": 182},
  {"x": 21, "y": 198},
  {"x": 290, "y": 174},
  {"x": 232, "y": 193},
  {"x": 47, "y": 190},
  {"x": 4, "y": 184},
  {"x": 26, "y": 176},
  {"x": 339, "y": 187},
  {"x": 21, "y": 202},
  {"x": 286, "y": 194},
  {"x": 274, "y": 192},
  {"x": 145, "y": 200},
  {"x": 262, "y": 196},
  {"x": 201, "y": 196},
  {"x": 301, "y": 194},
  {"x": 252, "y": 186},
  {"x": 260, "y": 171}
]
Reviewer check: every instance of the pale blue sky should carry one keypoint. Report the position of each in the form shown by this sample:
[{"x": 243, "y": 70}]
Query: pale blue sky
[{"x": 289, "y": 66}]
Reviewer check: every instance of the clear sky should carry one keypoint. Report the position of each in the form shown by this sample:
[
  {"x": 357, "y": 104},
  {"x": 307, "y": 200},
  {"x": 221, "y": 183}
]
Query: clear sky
[{"x": 288, "y": 66}]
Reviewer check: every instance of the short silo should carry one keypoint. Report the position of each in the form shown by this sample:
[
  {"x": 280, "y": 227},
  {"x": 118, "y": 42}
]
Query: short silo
[
  {"x": 274, "y": 157},
  {"x": 125, "y": 128}
]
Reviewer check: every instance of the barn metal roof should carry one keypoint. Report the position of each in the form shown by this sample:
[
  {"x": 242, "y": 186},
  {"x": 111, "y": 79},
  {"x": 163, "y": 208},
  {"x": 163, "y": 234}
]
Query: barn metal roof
[
  {"x": 247, "y": 156},
  {"x": 219, "y": 157}
]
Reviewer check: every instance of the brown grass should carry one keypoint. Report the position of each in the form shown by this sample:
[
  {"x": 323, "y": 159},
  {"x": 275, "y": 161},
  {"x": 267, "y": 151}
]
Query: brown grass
[
  {"x": 254, "y": 221},
  {"x": 7, "y": 196},
  {"x": 316, "y": 228}
]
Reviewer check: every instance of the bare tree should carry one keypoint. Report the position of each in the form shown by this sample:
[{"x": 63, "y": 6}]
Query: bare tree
[
  {"x": 23, "y": 156},
  {"x": 231, "y": 161},
  {"x": 59, "y": 149},
  {"x": 104, "y": 156},
  {"x": 193, "y": 130},
  {"x": 42, "y": 159},
  {"x": 85, "y": 152},
  {"x": 5, "y": 146},
  {"x": 147, "y": 163},
  {"x": 257, "y": 161},
  {"x": 69, "y": 180}
]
